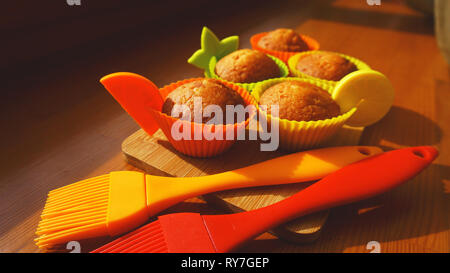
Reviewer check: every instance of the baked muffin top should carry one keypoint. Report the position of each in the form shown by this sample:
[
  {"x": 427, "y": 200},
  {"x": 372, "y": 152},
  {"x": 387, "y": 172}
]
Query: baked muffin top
[
  {"x": 300, "y": 101},
  {"x": 325, "y": 65},
  {"x": 211, "y": 91},
  {"x": 283, "y": 39},
  {"x": 246, "y": 66}
]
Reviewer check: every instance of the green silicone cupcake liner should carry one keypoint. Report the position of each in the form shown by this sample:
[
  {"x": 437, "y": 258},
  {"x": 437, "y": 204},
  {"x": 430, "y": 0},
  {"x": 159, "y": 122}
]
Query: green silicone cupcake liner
[
  {"x": 211, "y": 72},
  {"x": 292, "y": 63},
  {"x": 298, "y": 135}
]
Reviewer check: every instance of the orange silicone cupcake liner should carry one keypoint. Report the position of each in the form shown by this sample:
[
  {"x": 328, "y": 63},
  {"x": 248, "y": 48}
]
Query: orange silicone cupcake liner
[
  {"x": 282, "y": 55},
  {"x": 201, "y": 147},
  {"x": 143, "y": 101}
]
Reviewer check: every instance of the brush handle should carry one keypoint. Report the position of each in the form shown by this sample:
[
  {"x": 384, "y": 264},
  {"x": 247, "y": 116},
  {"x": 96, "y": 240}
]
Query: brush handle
[
  {"x": 354, "y": 182},
  {"x": 163, "y": 192}
]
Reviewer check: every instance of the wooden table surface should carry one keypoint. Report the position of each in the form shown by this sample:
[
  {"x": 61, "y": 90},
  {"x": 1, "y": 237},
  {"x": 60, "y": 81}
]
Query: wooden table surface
[{"x": 61, "y": 126}]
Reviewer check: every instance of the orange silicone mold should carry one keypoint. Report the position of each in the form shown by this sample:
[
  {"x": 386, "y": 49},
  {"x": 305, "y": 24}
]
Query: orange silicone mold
[{"x": 203, "y": 147}]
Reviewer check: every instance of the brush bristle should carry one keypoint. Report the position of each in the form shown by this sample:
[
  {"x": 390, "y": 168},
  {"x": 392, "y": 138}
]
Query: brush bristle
[
  {"x": 146, "y": 239},
  {"x": 77, "y": 209}
]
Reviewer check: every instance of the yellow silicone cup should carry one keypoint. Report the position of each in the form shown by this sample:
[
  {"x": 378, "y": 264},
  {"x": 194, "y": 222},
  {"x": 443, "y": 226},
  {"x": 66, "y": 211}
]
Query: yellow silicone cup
[
  {"x": 300, "y": 135},
  {"x": 292, "y": 63},
  {"x": 211, "y": 73}
]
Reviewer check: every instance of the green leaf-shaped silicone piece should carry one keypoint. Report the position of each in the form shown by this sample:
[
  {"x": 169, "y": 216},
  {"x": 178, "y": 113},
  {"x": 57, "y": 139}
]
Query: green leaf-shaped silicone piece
[
  {"x": 227, "y": 46},
  {"x": 212, "y": 47},
  {"x": 209, "y": 41},
  {"x": 200, "y": 59}
]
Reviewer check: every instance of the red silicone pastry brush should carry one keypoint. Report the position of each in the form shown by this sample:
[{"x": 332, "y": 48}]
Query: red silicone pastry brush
[{"x": 192, "y": 232}]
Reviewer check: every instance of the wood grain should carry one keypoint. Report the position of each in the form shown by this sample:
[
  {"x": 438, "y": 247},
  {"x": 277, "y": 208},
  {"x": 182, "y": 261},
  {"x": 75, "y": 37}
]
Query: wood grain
[{"x": 62, "y": 126}]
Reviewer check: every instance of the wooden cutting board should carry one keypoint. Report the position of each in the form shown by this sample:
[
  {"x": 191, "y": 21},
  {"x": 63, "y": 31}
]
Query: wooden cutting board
[{"x": 155, "y": 155}]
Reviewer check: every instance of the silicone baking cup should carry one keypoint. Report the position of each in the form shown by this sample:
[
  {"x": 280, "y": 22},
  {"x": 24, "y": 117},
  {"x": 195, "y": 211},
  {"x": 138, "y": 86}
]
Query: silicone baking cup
[
  {"x": 143, "y": 101},
  {"x": 203, "y": 147},
  {"x": 299, "y": 135},
  {"x": 212, "y": 50},
  {"x": 293, "y": 60},
  {"x": 282, "y": 55},
  {"x": 211, "y": 73}
]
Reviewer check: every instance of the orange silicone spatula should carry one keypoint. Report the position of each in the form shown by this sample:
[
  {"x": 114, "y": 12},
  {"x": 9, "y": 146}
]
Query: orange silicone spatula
[
  {"x": 192, "y": 232},
  {"x": 120, "y": 201}
]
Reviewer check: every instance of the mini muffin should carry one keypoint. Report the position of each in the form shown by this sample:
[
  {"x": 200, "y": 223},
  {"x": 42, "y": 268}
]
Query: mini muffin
[
  {"x": 211, "y": 91},
  {"x": 300, "y": 101},
  {"x": 247, "y": 66},
  {"x": 325, "y": 65},
  {"x": 283, "y": 39}
]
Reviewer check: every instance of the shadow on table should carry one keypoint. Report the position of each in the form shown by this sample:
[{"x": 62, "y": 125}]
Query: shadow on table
[{"x": 403, "y": 127}]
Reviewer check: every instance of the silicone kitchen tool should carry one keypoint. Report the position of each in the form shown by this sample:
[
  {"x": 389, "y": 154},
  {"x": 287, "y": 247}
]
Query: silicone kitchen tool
[
  {"x": 282, "y": 55},
  {"x": 367, "y": 90},
  {"x": 120, "y": 201},
  {"x": 213, "y": 49},
  {"x": 192, "y": 232},
  {"x": 297, "y": 135},
  {"x": 143, "y": 101}
]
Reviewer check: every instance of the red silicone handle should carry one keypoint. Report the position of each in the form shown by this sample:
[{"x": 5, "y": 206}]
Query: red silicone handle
[{"x": 354, "y": 182}]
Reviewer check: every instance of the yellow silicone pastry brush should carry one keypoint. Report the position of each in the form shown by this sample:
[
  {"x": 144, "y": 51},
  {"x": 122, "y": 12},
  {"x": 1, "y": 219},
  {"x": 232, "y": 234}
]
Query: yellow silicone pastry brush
[{"x": 118, "y": 202}]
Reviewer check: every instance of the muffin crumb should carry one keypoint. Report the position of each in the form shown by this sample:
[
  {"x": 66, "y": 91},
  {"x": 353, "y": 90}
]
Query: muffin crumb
[
  {"x": 247, "y": 66},
  {"x": 300, "y": 101},
  {"x": 212, "y": 92},
  {"x": 325, "y": 65},
  {"x": 283, "y": 39}
]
